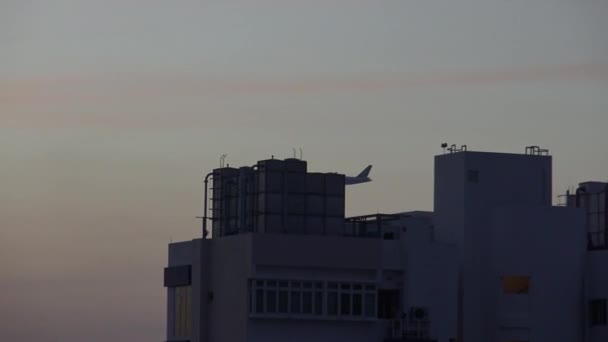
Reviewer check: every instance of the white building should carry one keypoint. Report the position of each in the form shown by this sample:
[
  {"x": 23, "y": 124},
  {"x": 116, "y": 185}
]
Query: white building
[
  {"x": 494, "y": 262},
  {"x": 592, "y": 197}
]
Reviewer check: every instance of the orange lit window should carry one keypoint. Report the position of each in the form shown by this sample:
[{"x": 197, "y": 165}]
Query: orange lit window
[{"x": 515, "y": 284}]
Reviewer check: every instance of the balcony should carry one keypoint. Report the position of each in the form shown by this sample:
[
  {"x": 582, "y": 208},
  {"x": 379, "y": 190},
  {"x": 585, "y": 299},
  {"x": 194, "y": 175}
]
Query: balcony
[{"x": 408, "y": 330}]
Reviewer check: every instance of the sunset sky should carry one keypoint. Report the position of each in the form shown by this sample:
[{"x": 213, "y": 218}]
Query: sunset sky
[{"x": 112, "y": 111}]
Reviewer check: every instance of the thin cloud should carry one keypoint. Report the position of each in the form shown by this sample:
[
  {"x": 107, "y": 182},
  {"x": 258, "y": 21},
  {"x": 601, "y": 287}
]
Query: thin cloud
[
  {"x": 91, "y": 90},
  {"x": 142, "y": 85}
]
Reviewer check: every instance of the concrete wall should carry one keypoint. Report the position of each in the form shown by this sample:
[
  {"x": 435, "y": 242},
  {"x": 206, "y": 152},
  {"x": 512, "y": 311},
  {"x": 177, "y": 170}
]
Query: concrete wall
[
  {"x": 201, "y": 282},
  {"x": 431, "y": 282},
  {"x": 548, "y": 245},
  {"x": 180, "y": 254},
  {"x": 229, "y": 269},
  {"x": 279, "y": 256},
  {"x": 449, "y": 191},
  {"x": 266, "y": 330},
  {"x": 316, "y": 251},
  {"x": 223, "y": 266},
  {"x": 468, "y": 185}
]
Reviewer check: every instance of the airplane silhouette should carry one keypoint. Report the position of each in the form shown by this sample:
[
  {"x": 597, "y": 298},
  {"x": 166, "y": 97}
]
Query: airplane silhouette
[{"x": 362, "y": 177}]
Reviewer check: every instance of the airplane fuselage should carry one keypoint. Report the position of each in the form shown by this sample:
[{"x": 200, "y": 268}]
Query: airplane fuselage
[{"x": 356, "y": 180}]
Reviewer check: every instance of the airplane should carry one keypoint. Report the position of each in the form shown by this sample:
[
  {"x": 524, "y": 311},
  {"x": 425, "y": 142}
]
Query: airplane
[{"x": 363, "y": 177}]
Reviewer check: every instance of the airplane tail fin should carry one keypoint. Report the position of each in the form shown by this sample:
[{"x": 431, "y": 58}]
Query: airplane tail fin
[{"x": 365, "y": 172}]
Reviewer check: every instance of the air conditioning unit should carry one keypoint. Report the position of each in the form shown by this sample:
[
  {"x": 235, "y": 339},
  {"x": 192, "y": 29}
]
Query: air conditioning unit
[{"x": 419, "y": 314}]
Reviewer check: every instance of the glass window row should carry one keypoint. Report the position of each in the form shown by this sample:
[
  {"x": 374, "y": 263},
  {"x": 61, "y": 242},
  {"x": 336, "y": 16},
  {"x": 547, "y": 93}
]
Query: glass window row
[{"x": 313, "y": 298}]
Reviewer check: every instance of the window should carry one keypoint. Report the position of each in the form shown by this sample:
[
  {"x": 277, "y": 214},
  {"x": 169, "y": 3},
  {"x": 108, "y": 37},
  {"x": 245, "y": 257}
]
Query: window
[
  {"x": 182, "y": 311},
  {"x": 345, "y": 304},
  {"x": 388, "y": 303},
  {"x": 271, "y": 301},
  {"x": 598, "y": 312},
  {"x": 307, "y": 303},
  {"x": 298, "y": 299},
  {"x": 370, "y": 304},
  {"x": 283, "y": 299},
  {"x": 473, "y": 176},
  {"x": 295, "y": 302},
  {"x": 515, "y": 284},
  {"x": 389, "y": 236},
  {"x": 357, "y": 304},
  {"x": 332, "y": 303},
  {"x": 318, "y": 303},
  {"x": 259, "y": 301}
]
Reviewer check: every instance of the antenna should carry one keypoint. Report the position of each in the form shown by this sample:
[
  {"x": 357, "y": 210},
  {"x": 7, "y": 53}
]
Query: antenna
[
  {"x": 294, "y": 153},
  {"x": 300, "y": 153},
  {"x": 223, "y": 160}
]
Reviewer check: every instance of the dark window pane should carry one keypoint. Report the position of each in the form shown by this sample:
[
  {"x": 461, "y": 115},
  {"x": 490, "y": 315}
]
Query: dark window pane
[
  {"x": 307, "y": 285},
  {"x": 250, "y": 300},
  {"x": 295, "y": 284},
  {"x": 259, "y": 301},
  {"x": 283, "y": 284},
  {"x": 319, "y": 303},
  {"x": 271, "y": 283},
  {"x": 332, "y": 303},
  {"x": 271, "y": 301},
  {"x": 345, "y": 304},
  {"x": 473, "y": 176},
  {"x": 345, "y": 286},
  {"x": 283, "y": 301},
  {"x": 319, "y": 285},
  {"x": 598, "y": 312},
  {"x": 332, "y": 285},
  {"x": 307, "y": 302},
  {"x": 357, "y": 304},
  {"x": 370, "y": 305},
  {"x": 295, "y": 302},
  {"x": 357, "y": 287},
  {"x": 388, "y": 303}
]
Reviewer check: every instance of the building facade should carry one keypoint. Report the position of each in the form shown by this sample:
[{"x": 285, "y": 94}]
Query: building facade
[
  {"x": 495, "y": 261},
  {"x": 513, "y": 247}
]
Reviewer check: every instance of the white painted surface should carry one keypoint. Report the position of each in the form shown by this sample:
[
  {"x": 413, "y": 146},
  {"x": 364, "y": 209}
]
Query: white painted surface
[
  {"x": 233, "y": 260},
  {"x": 548, "y": 245}
]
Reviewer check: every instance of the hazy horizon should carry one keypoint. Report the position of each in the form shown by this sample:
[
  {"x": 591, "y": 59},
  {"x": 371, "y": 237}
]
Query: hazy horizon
[{"x": 113, "y": 111}]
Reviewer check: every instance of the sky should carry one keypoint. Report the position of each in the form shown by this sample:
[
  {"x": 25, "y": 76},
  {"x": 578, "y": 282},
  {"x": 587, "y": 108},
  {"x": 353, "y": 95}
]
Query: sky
[{"x": 112, "y": 112}]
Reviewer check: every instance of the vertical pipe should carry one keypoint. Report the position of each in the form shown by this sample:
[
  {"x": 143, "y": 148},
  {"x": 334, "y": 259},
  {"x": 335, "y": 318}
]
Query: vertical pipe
[
  {"x": 579, "y": 191},
  {"x": 578, "y": 195},
  {"x": 605, "y": 215},
  {"x": 205, "y": 200}
]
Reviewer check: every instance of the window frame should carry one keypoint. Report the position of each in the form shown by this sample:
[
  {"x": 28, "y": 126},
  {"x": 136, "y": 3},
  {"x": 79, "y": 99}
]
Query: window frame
[{"x": 320, "y": 293}]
